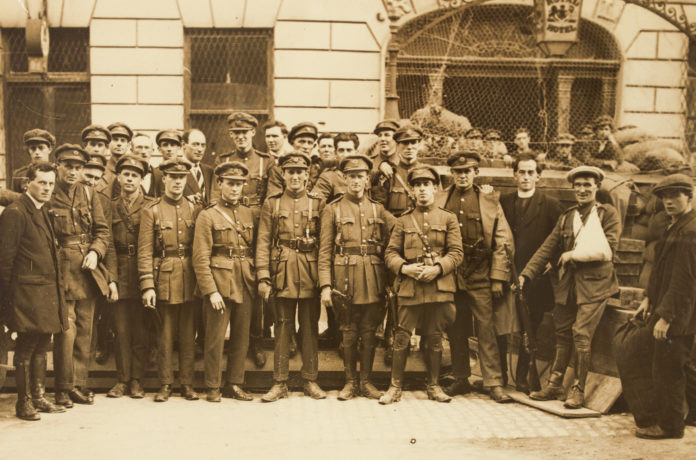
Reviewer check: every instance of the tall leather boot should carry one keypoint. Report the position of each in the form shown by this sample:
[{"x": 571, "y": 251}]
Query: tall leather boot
[
  {"x": 434, "y": 390},
  {"x": 367, "y": 358},
  {"x": 397, "y": 376},
  {"x": 24, "y": 408},
  {"x": 576, "y": 397},
  {"x": 554, "y": 388},
  {"x": 350, "y": 357},
  {"x": 502, "y": 356},
  {"x": 38, "y": 389},
  {"x": 522, "y": 370}
]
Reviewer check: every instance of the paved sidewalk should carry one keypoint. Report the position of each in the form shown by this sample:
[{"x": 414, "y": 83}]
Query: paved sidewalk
[{"x": 297, "y": 427}]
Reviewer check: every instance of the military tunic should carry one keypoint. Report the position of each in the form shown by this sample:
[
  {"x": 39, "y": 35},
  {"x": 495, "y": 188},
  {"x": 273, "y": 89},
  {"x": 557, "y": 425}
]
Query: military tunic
[
  {"x": 80, "y": 227},
  {"x": 20, "y": 179},
  {"x": 223, "y": 260},
  {"x": 330, "y": 184},
  {"x": 128, "y": 314},
  {"x": 392, "y": 192},
  {"x": 259, "y": 165}
]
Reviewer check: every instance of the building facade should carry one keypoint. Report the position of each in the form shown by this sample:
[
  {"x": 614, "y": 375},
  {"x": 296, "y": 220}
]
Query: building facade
[{"x": 343, "y": 65}]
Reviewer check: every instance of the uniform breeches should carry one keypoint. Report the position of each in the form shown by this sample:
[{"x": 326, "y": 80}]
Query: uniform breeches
[
  {"x": 577, "y": 323},
  {"x": 177, "y": 322},
  {"x": 71, "y": 348},
  {"x": 131, "y": 345},
  {"x": 432, "y": 318},
  {"x": 480, "y": 303},
  {"x": 308, "y": 313},
  {"x": 238, "y": 316},
  {"x": 362, "y": 321}
]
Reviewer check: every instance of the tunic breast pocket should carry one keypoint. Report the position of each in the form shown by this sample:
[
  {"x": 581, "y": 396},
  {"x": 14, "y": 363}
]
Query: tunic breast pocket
[
  {"x": 438, "y": 237},
  {"x": 166, "y": 228},
  {"x": 282, "y": 219},
  {"x": 411, "y": 239},
  {"x": 189, "y": 224},
  {"x": 473, "y": 227},
  {"x": 376, "y": 224},
  {"x": 221, "y": 232},
  {"x": 62, "y": 221},
  {"x": 85, "y": 216},
  {"x": 312, "y": 225}
]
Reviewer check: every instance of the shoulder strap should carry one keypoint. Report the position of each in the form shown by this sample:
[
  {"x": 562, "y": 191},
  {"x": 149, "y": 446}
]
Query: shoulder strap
[
  {"x": 232, "y": 223},
  {"x": 423, "y": 238},
  {"x": 400, "y": 180},
  {"x": 260, "y": 167}
]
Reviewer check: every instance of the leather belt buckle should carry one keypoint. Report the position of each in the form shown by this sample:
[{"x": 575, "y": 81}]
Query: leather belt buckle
[
  {"x": 132, "y": 250},
  {"x": 363, "y": 250},
  {"x": 181, "y": 252}
]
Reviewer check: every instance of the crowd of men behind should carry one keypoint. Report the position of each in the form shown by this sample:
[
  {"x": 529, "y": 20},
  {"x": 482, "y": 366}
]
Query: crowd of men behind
[{"x": 182, "y": 252}]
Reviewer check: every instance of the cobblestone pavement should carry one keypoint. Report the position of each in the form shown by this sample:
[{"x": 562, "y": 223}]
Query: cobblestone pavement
[{"x": 297, "y": 427}]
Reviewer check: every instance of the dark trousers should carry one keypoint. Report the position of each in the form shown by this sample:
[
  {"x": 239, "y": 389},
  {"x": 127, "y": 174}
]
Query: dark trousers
[
  {"x": 238, "y": 316},
  {"x": 71, "y": 348},
  {"x": 131, "y": 341},
  {"x": 31, "y": 346},
  {"x": 177, "y": 322},
  {"x": 308, "y": 312},
  {"x": 480, "y": 303},
  {"x": 362, "y": 321},
  {"x": 577, "y": 323}
]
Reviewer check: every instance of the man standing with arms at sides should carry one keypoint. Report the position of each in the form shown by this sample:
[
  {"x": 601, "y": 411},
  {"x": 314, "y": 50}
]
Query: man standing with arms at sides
[
  {"x": 670, "y": 305},
  {"x": 583, "y": 287},
  {"x": 128, "y": 314},
  {"x": 423, "y": 252},
  {"x": 354, "y": 232},
  {"x": 38, "y": 143},
  {"x": 532, "y": 214},
  {"x": 30, "y": 288},
  {"x": 83, "y": 239},
  {"x": 223, "y": 260},
  {"x": 167, "y": 280},
  {"x": 142, "y": 147},
  {"x": 480, "y": 277},
  {"x": 393, "y": 193},
  {"x": 275, "y": 134},
  {"x": 200, "y": 180},
  {"x": 286, "y": 262}
]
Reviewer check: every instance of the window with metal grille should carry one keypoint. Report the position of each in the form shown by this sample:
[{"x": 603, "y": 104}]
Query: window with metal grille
[
  {"x": 58, "y": 101},
  {"x": 227, "y": 70}
]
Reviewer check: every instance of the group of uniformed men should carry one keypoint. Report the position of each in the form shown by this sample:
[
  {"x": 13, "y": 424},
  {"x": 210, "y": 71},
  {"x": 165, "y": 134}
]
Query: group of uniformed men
[{"x": 250, "y": 236}]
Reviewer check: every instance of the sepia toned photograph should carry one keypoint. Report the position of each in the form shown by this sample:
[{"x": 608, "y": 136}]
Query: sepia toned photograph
[{"x": 328, "y": 229}]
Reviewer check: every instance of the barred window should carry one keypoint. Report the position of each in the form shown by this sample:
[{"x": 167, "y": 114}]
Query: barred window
[
  {"x": 227, "y": 70},
  {"x": 58, "y": 101}
]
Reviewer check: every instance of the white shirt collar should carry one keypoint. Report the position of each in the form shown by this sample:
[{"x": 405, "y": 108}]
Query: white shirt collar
[
  {"x": 36, "y": 203},
  {"x": 527, "y": 194}
]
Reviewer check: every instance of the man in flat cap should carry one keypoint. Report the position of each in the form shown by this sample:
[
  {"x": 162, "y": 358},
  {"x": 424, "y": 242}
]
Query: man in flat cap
[
  {"x": 83, "y": 239},
  {"x": 354, "y": 232},
  {"x": 286, "y": 263},
  {"x": 167, "y": 279},
  {"x": 30, "y": 299},
  {"x": 480, "y": 277},
  {"x": 200, "y": 180},
  {"x": 669, "y": 309},
  {"x": 561, "y": 156},
  {"x": 424, "y": 250},
  {"x": 583, "y": 286},
  {"x": 532, "y": 215},
  {"x": 38, "y": 143},
  {"x": 393, "y": 192},
  {"x": 223, "y": 259},
  {"x": 122, "y": 262},
  {"x": 265, "y": 177}
]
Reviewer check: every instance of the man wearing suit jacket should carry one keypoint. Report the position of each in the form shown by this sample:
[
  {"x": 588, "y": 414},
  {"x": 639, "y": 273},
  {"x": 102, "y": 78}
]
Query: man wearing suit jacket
[
  {"x": 200, "y": 178},
  {"x": 29, "y": 292},
  {"x": 671, "y": 305},
  {"x": 532, "y": 215}
]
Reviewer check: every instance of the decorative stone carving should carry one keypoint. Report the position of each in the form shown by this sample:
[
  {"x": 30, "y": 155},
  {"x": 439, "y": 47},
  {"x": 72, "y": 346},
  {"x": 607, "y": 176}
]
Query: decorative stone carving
[{"x": 397, "y": 8}]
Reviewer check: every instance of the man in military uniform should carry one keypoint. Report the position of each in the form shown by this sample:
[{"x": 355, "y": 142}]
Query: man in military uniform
[
  {"x": 38, "y": 144},
  {"x": 392, "y": 191},
  {"x": 128, "y": 314},
  {"x": 331, "y": 182},
  {"x": 83, "y": 239},
  {"x": 30, "y": 288},
  {"x": 583, "y": 287},
  {"x": 167, "y": 280},
  {"x": 386, "y": 151},
  {"x": 223, "y": 260},
  {"x": 286, "y": 262},
  {"x": 95, "y": 139},
  {"x": 121, "y": 136},
  {"x": 93, "y": 172},
  {"x": 169, "y": 144},
  {"x": 480, "y": 277},
  {"x": 354, "y": 233},
  {"x": 424, "y": 250},
  {"x": 264, "y": 179},
  {"x": 303, "y": 137}
]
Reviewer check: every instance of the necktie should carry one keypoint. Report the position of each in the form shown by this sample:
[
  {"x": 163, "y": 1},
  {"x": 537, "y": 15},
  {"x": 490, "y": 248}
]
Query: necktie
[{"x": 199, "y": 179}]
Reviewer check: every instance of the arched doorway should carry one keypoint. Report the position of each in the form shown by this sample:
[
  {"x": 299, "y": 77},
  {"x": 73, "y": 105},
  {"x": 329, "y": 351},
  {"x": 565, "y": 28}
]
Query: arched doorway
[{"x": 481, "y": 61}]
